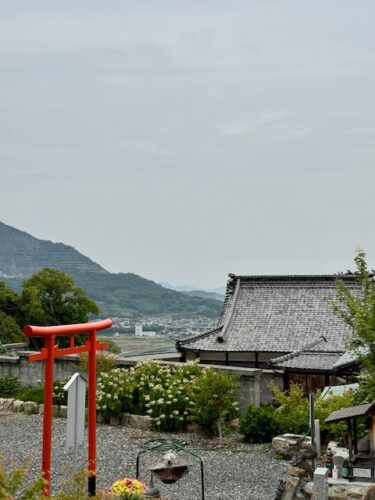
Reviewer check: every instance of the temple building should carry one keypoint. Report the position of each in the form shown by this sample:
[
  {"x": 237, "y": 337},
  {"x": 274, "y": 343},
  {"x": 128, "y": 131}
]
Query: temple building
[{"x": 284, "y": 325}]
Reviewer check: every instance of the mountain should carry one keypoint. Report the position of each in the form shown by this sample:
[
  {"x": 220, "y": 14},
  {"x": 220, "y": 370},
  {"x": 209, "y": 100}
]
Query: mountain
[
  {"x": 205, "y": 295},
  {"x": 177, "y": 288},
  {"x": 22, "y": 255},
  {"x": 194, "y": 292},
  {"x": 123, "y": 294}
]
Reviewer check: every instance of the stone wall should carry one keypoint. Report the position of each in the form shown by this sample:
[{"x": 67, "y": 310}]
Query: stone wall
[
  {"x": 32, "y": 372},
  {"x": 249, "y": 378}
]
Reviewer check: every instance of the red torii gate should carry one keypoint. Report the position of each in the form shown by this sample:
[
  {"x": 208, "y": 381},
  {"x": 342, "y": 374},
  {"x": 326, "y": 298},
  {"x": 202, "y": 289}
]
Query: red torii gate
[{"x": 49, "y": 353}]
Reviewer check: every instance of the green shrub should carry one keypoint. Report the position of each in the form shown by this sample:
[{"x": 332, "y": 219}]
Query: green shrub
[
  {"x": 114, "y": 393},
  {"x": 60, "y": 395},
  {"x": 260, "y": 424},
  {"x": 112, "y": 346},
  {"x": 31, "y": 393},
  {"x": 172, "y": 396},
  {"x": 12, "y": 484},
  {"x": 150, "y": 389},
  {"x": 293, "y": 414},
  {"x": 9, "y": 386},
  {"x": 105, "y": 362},
  {"x": 324, "y": 407},
  {"x": 214, "y": 400},
  {"x": 366, "y": 390}
]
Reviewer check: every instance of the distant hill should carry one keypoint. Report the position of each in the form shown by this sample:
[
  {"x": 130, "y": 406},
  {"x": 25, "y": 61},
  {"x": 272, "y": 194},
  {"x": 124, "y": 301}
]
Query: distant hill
[
  {"x": 123, "y": 294},
  {"x": 194, "y": 292},
  {"x": 22, "y": 255},
  {"x": 205, "y": 295}
]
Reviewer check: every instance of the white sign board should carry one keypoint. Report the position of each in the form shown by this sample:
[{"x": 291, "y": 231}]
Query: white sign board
[{"x": 75, "y": 422}]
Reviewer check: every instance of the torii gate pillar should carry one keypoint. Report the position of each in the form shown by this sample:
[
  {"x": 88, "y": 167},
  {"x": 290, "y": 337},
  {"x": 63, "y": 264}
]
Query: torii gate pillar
[{"x": 48, "y": 353}]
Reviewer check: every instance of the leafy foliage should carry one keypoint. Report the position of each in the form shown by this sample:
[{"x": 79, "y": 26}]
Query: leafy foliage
[
  {"x": 366, "y": 389},
  {"x": 358, "y": 311},
  {"x": 260, "y": 424},
  {"x": 8, "y": 300},
  {"x": 149, "y": 389},
  {"x": 293, "y": 414},
  {"x": 172, "y": 396},
  {"x": 324, "y": 407},
  {"x": 31, "y": 393},
  {"x": 112, "y": 346},
  {"x": 11, "y": 484},
  {"x": 214, "y": 398},
  {"x": 105, "y": 362},
  {"x": 9, "y": 330},
  {"x": 50, "y": 298},
  {"x": 9, "y": 386},
  {"x": 47, "y": 298}
]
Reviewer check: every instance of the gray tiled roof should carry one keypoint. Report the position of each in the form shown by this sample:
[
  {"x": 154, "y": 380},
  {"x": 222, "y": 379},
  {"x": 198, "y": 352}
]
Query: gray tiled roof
[
  {"x": 354, "y": 411},
  {"x": 322, "y": 361},
  {"x": 346, "y": 359},
  {"x": 318, "y": 355},
  {"x": 276, "y": 314}
]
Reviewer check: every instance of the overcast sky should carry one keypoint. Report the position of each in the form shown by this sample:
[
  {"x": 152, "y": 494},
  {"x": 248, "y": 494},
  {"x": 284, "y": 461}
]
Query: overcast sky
[{"x": 183, "y": 140}]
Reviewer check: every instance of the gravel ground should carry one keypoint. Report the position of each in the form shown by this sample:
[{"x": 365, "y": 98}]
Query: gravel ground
[{"x": 233, "y": 471}]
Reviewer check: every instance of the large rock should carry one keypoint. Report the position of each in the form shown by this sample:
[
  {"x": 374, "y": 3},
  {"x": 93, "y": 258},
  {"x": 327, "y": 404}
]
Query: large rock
[
  {"x": 338, "y": 493},
  {"x": 18, "y": 405},
  {"x": 308, "y": 489},
  {"x": 290, "y": 489},
  {"x": 6, "y": 404},
  {"x": 144, "y": 422},
  {"x": 30, "y": 407},
  {"x": 286, "y": 444},
  {"x": 369, "y": 492},
  {"x": 355, "y": 493},
  {"x": 296, "y": 471}
]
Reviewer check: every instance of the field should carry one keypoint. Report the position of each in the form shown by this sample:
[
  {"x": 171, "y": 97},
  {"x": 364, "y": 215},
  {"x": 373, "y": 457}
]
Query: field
[{"x": 133, "y": 344}]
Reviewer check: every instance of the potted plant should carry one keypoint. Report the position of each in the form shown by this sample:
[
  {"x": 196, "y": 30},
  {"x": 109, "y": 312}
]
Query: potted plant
[{"x": 128, "y": 489}]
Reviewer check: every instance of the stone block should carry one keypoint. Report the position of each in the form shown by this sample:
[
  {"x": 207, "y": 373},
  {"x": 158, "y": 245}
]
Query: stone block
[
  {"x": 290, "y": 489},
  {"x": 115, "y": 420},
  {"x": 308, "y": 489},
  {"x": 125, "y": 418},
  {"x": 320, "y": 483},
  {"x": 286, "y": 444},
  {"x": 6, "y": 404},
  {"x": 141, "y": 422},
  {"x": 30, "y": 407},
  {"x": 338, "y": 493},
  {"x": 355, "y": 493},
  {"x": 18, "y": 405}
]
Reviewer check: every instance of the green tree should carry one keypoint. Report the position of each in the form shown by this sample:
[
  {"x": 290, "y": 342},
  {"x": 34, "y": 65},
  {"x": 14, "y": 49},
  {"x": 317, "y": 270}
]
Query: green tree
[
  {"x": 50, "y": 297},
  {"x": 357, "y": 309},
  {"x": 8, "y": 300},
  {"x": 9, "y": 330}
]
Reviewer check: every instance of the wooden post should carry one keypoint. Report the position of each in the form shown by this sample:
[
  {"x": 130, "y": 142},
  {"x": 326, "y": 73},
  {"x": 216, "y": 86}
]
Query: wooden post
[
  {"x": 47, "y": 415},
  {"x": 92, "y": 415}
]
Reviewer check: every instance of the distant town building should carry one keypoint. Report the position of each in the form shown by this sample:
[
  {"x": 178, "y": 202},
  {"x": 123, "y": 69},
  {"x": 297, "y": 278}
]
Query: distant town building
[
  {"x": 140, "y": 333},
  {"x": 138, "y": 330}
]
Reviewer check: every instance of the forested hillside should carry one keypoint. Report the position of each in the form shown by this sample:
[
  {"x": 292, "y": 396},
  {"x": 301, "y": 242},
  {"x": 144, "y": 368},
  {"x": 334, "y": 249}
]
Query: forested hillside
[{"x": 21, "y": 255}]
